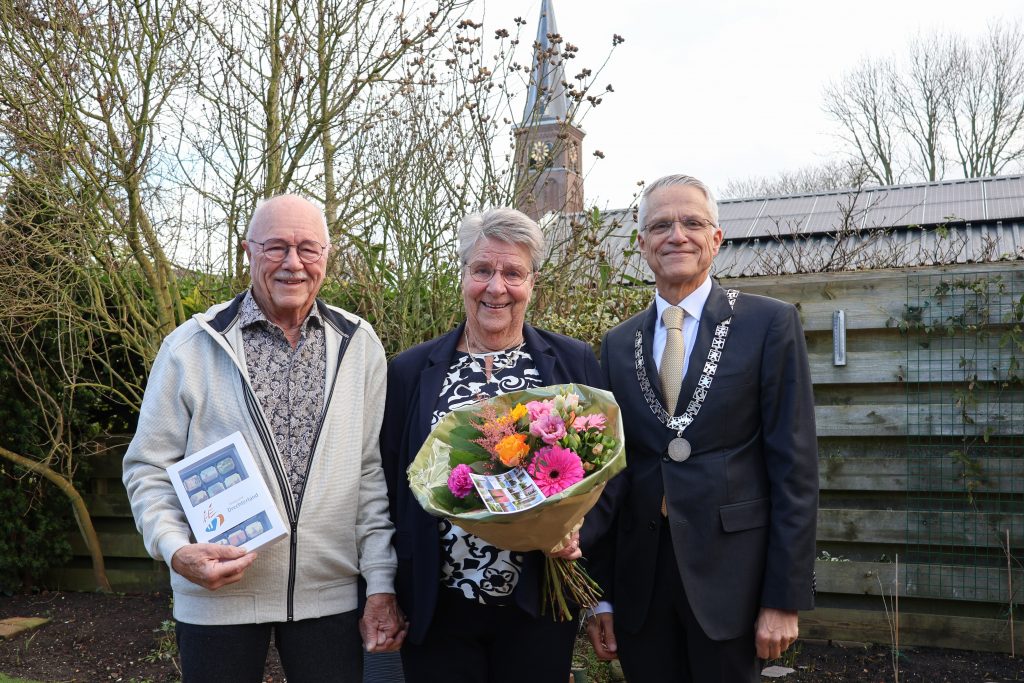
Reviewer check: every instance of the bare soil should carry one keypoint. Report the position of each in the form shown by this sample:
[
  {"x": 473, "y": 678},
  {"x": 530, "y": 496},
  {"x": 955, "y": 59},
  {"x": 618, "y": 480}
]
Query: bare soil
[{"x": 95, "y": 637}]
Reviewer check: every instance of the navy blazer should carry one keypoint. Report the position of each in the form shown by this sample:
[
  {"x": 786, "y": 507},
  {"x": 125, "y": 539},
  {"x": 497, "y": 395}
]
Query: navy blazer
[
  {"x": 742, "y": 508},
  {"x": 415, "y": 377}
]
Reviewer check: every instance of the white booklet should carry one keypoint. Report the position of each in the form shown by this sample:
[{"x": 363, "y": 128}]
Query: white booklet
[
  {"x": 225, "y": 498},
  {"x": 510, "y": 491}
]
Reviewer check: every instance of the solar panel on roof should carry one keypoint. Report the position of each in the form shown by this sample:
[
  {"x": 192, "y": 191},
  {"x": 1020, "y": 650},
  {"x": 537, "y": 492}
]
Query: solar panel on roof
[
  {"x": 1010, "y": 207},
  {"x": 744, "y": 209},
  {"x": 999, "y": 188},
  {"x": 953, "y": 210}
]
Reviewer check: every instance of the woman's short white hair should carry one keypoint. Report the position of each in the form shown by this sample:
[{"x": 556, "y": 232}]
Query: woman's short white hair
[
  {"x": 669, "y": 181},
  {"x": 505, "y": 225}
]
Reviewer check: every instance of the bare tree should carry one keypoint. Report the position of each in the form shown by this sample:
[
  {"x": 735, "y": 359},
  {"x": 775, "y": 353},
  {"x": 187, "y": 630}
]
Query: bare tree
[
  {"x": 835, "y": 174},
  {"x": 862, "y": 103},
  {"x": 902, "y": 118},
  {"x": 919, "y": 101},
  {"x": 986, "y": 104},
  {"x": 83, "y": 89}
]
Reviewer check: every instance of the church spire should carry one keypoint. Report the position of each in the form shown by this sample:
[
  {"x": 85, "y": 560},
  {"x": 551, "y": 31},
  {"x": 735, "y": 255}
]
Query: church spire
[
  {"x": 545, "y": 101},
  {"x": 548, "y": 145}
]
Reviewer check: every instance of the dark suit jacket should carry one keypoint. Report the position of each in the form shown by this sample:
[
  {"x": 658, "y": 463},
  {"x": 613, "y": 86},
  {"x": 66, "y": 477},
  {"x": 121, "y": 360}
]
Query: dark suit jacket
[
  {"x": 414, "y": 383},
  {"x": 743, "y": 507}
]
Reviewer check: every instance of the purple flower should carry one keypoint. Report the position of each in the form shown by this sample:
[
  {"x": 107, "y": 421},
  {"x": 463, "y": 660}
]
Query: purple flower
[
  {"x": 550, "y": 428},
  {"x": 459, "y": 481},
  {"x": 538, "y": 409}
]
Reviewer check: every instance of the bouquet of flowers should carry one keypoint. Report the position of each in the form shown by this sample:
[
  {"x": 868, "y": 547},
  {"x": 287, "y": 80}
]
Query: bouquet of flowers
[{"x": 521, "y": 470}]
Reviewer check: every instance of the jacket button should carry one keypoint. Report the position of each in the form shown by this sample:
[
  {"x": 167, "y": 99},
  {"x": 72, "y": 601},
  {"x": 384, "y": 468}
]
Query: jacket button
[{"x": 652, "y": 525}]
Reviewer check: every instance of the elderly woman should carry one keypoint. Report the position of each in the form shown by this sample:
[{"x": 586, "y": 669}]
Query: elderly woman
[{"x": 474, "y": 609}]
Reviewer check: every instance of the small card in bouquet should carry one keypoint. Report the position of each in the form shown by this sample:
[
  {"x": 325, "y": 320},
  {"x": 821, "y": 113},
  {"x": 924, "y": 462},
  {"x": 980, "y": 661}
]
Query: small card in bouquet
[
  {"x": 224, "y": 496},
  {"x": 507, "y": 492}
]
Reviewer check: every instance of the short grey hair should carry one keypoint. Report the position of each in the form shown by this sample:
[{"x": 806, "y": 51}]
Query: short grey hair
[
  {"x": 262, "y": 203},
  {"x": 669, "y": 181},
  {"x": 505, "y": 225}
]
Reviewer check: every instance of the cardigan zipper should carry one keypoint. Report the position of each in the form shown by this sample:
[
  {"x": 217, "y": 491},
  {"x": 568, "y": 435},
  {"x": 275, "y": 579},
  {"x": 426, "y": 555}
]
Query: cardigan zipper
[
  {"x": 291, "y": 506},
  {"x": 309, "y": 466}
]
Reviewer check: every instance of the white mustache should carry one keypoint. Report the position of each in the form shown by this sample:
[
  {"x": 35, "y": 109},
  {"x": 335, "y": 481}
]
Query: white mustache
[{"x": 289, "y": 275}]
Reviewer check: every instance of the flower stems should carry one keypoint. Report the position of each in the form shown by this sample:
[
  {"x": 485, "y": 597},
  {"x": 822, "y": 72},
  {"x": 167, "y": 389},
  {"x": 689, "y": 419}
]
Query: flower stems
[{"x": 564, "y": 578}]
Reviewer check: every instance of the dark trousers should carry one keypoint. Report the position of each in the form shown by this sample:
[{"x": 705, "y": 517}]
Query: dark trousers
[
  {"x": 472, "y": 643},
  {"x": 671, "y": 647},
  {"x": 311, "y": 650}
]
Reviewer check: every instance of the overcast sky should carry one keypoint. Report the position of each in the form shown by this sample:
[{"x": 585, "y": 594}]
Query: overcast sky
[{"x": 727, "y": 89}]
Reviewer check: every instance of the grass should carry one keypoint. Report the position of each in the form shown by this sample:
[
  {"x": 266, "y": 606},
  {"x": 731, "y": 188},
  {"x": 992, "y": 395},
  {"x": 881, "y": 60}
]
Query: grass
[
  {"x": 7, "y": 679},
  {"x": 583, "y": 654}
]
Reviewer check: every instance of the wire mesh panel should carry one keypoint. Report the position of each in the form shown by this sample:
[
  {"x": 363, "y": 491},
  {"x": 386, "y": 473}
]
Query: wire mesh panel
[{"x": 965, "y": 425}]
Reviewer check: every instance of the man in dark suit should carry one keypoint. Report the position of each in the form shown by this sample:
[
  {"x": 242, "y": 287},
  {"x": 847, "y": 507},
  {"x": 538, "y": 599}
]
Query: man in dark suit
[{"x": 712, "y": 552}]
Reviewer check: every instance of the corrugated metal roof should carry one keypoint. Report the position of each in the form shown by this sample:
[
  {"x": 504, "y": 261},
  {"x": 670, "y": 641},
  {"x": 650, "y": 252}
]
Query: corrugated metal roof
[
  {"x": 973, "y": 199},
  {"x": 959, "y": 221}
]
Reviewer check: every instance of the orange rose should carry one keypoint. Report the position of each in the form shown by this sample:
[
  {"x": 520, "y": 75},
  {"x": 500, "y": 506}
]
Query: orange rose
[{"x": 512, "y": 449}]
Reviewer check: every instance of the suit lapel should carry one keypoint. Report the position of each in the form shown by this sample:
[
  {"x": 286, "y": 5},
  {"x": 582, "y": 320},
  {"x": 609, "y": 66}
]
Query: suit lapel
[
  {"x": 650, "y": 363},
  {"x": 716, "y": 309},
  {"x": 432, "y": 376},
  {"x": 543, "y": 355}
]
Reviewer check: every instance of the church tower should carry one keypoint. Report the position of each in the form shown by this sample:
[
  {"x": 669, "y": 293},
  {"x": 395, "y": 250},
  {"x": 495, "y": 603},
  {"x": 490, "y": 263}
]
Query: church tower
[{"x": 548, "y": 148}]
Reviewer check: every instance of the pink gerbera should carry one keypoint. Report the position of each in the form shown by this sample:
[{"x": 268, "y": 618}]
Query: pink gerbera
[
  {"x": 459, "y": 481},
  {"x": 555, "y": 468}
]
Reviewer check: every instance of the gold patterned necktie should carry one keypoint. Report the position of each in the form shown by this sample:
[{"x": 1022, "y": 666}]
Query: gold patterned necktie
[{"x": 671, "y": 370}]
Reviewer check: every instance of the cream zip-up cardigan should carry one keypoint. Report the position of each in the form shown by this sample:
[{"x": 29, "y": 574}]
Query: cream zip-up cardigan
[{"x": 198, "y": 393}]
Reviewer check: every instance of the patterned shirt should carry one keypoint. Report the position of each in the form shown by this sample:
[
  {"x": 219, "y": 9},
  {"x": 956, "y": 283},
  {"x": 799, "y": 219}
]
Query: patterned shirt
[
  {"x": 470, "y": 565},
  {"x": 289, "y": 383}
]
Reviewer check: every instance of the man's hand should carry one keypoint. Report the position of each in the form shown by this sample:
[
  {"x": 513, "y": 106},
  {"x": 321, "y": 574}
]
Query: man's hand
[
  {"x": 568, "y": 548},
  {"x": 383, "y": 626},
  {"x": 774, "y": 632},
  {"x": 212, "y": 565},
  {"x": 602, "y": 636}
]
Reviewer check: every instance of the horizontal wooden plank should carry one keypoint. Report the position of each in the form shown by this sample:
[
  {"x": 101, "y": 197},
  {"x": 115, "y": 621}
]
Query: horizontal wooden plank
[
  {"x": 121, "y": 580},
  {"x": 114, "y": 503},
  {"x": 837, "y": 286},
  {"x": 956, "y": 529},
  {"x": 944, "y": 582},
  {"x": 871, "y": 299},
  {"x": 107, "y": 464},
  {"x": 916, "y": 629},
  {"x": 861, "y": 420},
  {"x": 894, "y": 366},
  {"x": 937, "y": 473},
  {"x": 114, "y": 543},
  {"x": 938, "y": 419},
  {"x": 862, "y": 367}
]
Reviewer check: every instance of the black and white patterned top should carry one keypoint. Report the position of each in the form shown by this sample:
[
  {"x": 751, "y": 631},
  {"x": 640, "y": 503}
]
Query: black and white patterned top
[
  {"x": 289, "y": 383},
  {"x": 469, "y": 564}
]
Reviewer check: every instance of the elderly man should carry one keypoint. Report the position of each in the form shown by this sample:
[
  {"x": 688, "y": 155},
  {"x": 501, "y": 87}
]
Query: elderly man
[
  {"x": 304, "y": 384},
  {"x": 713, "y": 551}
]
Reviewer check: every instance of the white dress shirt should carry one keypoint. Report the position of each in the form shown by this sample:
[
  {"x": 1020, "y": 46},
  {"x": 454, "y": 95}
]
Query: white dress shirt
[{"x": 694, "y": 307}]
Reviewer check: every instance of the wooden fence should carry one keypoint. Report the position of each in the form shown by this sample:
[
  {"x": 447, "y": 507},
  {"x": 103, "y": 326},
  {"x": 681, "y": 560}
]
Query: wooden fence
[{"x": 866, "y": 450}]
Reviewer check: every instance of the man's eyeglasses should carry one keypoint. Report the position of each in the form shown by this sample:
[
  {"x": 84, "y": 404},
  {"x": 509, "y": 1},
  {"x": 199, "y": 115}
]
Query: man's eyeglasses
[
  {"x": 690, "y": 224},
  {"x": 482, "y": 271},
  {"x": 309, "y": 251}
]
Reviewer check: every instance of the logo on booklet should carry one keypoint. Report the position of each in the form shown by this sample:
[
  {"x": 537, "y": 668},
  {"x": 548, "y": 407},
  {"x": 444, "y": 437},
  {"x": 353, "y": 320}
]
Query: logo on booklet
[{"x": 213, "y": 520}]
